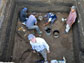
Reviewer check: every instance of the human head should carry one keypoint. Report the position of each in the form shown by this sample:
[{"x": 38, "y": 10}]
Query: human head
[
  {"x": 35, "y": 14},
  {"x": 45, "y": 16},
  {"x": 49, "y": 13},
  {"x": 31, "y": 37},
  {"x": 25, "y": 9},
  {"x": 73, "y": 8}
]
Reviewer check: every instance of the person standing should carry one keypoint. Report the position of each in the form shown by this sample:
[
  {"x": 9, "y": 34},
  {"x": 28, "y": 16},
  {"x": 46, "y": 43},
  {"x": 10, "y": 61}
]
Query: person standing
[
  {"x": 40, "y": 45},
  {"x": 71, "y": 19}
]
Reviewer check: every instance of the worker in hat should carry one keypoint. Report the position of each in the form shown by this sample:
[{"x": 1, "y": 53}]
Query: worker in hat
[
  {"x": 40, "y": 45},
  {"x": 32, "y": 23},
  {"x": 71, "y": 19},
  {"x": 23, "y": 15},
  {"x": 50, "y": 18}
]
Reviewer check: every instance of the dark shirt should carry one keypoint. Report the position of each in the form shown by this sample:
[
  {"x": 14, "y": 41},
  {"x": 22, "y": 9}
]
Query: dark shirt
[{"x": 23, "y": 15}]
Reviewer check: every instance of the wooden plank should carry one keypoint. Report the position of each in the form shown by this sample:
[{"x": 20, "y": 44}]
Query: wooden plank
[{"x": 23, "y": 31}]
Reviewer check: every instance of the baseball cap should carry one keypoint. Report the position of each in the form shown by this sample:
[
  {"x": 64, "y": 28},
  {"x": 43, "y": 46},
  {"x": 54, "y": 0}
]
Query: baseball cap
[
  {"x": 30, "y": 36},
  {"x": 25, "y": 9},
  {"x": 73, "y": 7}
]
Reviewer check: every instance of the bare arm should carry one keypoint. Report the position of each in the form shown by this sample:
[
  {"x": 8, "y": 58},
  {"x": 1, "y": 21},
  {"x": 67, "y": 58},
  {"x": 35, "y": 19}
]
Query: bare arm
[{"x": 46, "y": 23}]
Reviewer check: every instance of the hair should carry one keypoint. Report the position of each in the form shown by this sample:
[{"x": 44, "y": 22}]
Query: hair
[{"x": 34, "y": 13}]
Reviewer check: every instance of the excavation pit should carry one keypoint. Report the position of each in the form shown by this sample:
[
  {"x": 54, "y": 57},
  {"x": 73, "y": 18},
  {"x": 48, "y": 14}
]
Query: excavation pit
[{"x": 18, "y": 49}]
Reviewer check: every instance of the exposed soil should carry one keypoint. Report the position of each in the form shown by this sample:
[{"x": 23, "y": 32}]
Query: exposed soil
[{"x": 59, "y": 47}]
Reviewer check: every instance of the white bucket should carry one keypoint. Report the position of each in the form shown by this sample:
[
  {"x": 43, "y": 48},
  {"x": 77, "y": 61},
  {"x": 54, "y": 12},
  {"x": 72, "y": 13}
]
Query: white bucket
[
  {"x": 40, "y": 18},
  {"x": 63, "y": 19},
  {"x": 54, "y": 61}
]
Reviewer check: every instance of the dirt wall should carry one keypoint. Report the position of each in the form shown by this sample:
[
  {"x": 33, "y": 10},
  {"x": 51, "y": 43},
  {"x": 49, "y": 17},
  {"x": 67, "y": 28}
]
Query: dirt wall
[
  {"x": 6, "y": 29},
  {"x": 80, "y": 8},
  {"x": 50, "y": 5}
]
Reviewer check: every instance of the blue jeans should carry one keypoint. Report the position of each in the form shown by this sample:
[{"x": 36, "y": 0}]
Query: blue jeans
[
  {"x": 53, "y": 20},
  {"x": 35, "y": 27},
  {"x": 44, "y": 54}
]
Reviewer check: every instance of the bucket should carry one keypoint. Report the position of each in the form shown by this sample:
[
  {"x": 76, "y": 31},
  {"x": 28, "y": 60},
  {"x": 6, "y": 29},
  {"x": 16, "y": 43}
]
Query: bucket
[
  {"x": 56, "y": 33},
  {"x": 40, "y": 18},
  {"x": 63, "y": 19},
  {"x": 48, "y": 31},
  {"x": 54, "y": 61}
]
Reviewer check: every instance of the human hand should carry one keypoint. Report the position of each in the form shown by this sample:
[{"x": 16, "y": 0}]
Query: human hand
[
  {"x": 34, "y": 51},
  {"x": 71, "y": 24},
  {"x": 43, "y": 24},
  {"x": 36, "y": 24},
  {"x": 48, "y": 51}
]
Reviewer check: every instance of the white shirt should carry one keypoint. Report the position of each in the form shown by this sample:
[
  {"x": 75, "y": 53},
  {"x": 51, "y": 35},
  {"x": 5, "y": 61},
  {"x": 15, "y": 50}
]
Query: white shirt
[{"x": 39, "y": 45}]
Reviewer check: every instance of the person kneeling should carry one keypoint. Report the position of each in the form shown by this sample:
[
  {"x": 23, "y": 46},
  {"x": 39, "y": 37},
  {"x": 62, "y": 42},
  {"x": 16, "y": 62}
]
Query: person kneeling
[{"x": 32, "y": 23}]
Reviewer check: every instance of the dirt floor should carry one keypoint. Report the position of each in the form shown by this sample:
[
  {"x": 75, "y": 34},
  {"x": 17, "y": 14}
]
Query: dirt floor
[{"x": 59, "y": 47}]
